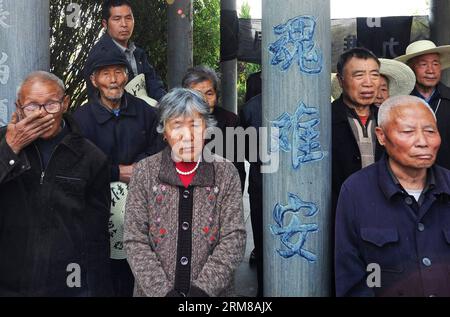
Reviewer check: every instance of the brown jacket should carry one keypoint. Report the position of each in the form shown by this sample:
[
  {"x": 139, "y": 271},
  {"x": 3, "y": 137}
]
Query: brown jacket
[{"x": 151, "y": 226}]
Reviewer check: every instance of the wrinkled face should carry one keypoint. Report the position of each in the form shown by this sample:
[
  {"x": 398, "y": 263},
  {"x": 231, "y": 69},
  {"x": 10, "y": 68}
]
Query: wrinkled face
[
  {"x": 120, "y": 24},
  {"x": 43, "y": 92},
  {"x": 207, "y": 89},
  {"x": 185, "y": 135},
  {"x": 411, "y": 137},
  {"x": 360, "y": 81},
  {"x": 110, "y": 82},
  {"x": 427, "y": 69},
  {"x": 383, "y": 91}
]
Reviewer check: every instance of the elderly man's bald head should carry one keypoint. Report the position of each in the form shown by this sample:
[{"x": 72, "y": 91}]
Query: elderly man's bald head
[
  {"x": 43, "y": 93},
  {"x": 42, "y": 77},
  {"x": 408, "y": 131},
  {"x": 386, "y": 108}
]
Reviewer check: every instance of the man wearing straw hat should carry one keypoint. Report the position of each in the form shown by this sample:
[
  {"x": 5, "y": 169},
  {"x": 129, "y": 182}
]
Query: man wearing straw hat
[
  {"x": 395, "y": 80},
  {"x": 427, "y": 61}
]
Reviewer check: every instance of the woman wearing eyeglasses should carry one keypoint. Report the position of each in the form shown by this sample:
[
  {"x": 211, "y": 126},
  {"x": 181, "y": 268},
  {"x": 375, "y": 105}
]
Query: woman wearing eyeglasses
[{"x": 184, "y": 227}]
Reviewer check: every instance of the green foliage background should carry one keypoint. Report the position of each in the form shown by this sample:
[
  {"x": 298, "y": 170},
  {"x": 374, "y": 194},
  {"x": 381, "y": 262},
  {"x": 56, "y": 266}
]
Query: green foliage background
[{"x": 245, "y": 69}]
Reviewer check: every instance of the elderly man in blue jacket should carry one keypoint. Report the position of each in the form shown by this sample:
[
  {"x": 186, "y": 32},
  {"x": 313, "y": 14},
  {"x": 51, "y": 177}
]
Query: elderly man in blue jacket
[
  {"x": 118, "y": 21},
  {"x": 124, "y": 128},
  {"x": 393, "y": 217}
]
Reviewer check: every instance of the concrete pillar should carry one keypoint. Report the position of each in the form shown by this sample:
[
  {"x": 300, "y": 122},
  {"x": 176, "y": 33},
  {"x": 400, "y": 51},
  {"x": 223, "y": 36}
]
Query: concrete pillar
[
  {"x": 229, "y": 70},
  {"x": 180, "y": 41},
  {"x": 24, "y": 47},
  {"x": 440, "y": 28},
  {"x": 296, "y": 55}
]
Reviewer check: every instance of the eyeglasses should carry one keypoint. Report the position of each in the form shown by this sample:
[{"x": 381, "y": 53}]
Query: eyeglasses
[{"x": 51, "y": 107}]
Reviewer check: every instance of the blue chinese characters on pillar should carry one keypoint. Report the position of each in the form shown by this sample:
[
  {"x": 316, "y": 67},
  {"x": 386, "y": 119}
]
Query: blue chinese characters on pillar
[
  {"x": 293, "y": 236},
  {"x": 302, "y": 125},
  {"x": 296, "y": 43}
]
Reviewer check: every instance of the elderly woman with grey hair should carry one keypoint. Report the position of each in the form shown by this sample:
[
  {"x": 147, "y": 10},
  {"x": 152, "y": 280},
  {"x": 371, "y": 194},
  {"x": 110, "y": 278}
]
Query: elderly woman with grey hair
[
  {"x": 184, "y": 227},
  {"x": 205, "y": 80}
]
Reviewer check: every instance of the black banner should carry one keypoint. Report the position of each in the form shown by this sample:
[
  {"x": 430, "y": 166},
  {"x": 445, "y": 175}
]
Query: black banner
[
  {"x": 386, "y": 37},
  {"x": 250, "y": 41},
  {"x": 229, "y": 39}
]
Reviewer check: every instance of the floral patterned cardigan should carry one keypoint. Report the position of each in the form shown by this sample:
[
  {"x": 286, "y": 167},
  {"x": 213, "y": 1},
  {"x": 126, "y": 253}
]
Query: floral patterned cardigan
[{"x": 152, "y": 226}]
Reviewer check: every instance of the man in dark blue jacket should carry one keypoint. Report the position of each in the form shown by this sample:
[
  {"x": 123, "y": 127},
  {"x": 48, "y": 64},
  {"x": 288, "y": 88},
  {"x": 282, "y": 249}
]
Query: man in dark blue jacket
[
  {"x": 393, "y": 217},
  {"x": 118, "y": 20},
  {"x": 124, "y": 128}
]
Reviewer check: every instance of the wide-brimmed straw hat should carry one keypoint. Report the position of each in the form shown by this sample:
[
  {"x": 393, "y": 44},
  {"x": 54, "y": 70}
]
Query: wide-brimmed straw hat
[
  {"x": 426, "y": 47},
  {"x": 401, "y": 78}
]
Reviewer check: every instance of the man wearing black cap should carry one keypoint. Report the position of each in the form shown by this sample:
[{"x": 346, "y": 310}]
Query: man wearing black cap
[
  {"x": 124, "y": 128},
  {"x": 118, "y": 21}
]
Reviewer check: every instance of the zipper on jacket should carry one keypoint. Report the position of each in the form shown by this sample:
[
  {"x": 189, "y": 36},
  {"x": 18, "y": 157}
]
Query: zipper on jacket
[{"x": 43, "y": 170}]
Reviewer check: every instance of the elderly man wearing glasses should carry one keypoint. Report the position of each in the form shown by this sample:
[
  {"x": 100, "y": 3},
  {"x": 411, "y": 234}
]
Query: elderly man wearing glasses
[{"x": 54, "y": 199}]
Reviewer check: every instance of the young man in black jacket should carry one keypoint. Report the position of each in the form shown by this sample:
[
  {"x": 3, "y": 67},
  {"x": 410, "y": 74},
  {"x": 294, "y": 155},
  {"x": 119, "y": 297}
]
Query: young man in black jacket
[{"x": 118, "y": 21}]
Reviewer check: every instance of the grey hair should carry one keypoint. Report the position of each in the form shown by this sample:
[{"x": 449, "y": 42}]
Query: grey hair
[
  {"x": 200, "y": 74},
  {"x": 42, "y": 76},
  {"x": 393, "y": 102},
  {"x": 181, "y": 102}
]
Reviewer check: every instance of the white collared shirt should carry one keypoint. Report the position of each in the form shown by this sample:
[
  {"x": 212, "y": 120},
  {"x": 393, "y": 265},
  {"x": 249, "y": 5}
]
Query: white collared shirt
[{"x": 129, "y": 54}]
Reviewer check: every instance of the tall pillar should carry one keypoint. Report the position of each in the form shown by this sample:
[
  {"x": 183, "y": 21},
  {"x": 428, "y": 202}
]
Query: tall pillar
[
  {"x": 229, "y": 70},
  {"x": 180, "y": 40},
  {"x": 440, "y": 28},
  {"x": 296, "y": 48},
  {"x": 24, "y": 47}
]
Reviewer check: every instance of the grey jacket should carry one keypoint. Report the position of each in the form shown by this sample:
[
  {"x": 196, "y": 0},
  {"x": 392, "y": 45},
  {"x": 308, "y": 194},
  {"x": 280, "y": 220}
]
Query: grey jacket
[{"x": 151, "y": 226}]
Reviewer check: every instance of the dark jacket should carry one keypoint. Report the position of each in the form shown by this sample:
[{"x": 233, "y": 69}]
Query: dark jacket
[
  {"x": 251, "y": 116},
  {"x": 253, "y": 86},
  {"x": 378, "y": 222},
  {"x": 155, "y": 87},
  {"x": 346, "y": 157},
  {"x": 442, "y": 97},
  {"x": 226, "y": 119},
  {"x": 51, "y": 219},
  {"x": 125, "y": 139}
]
